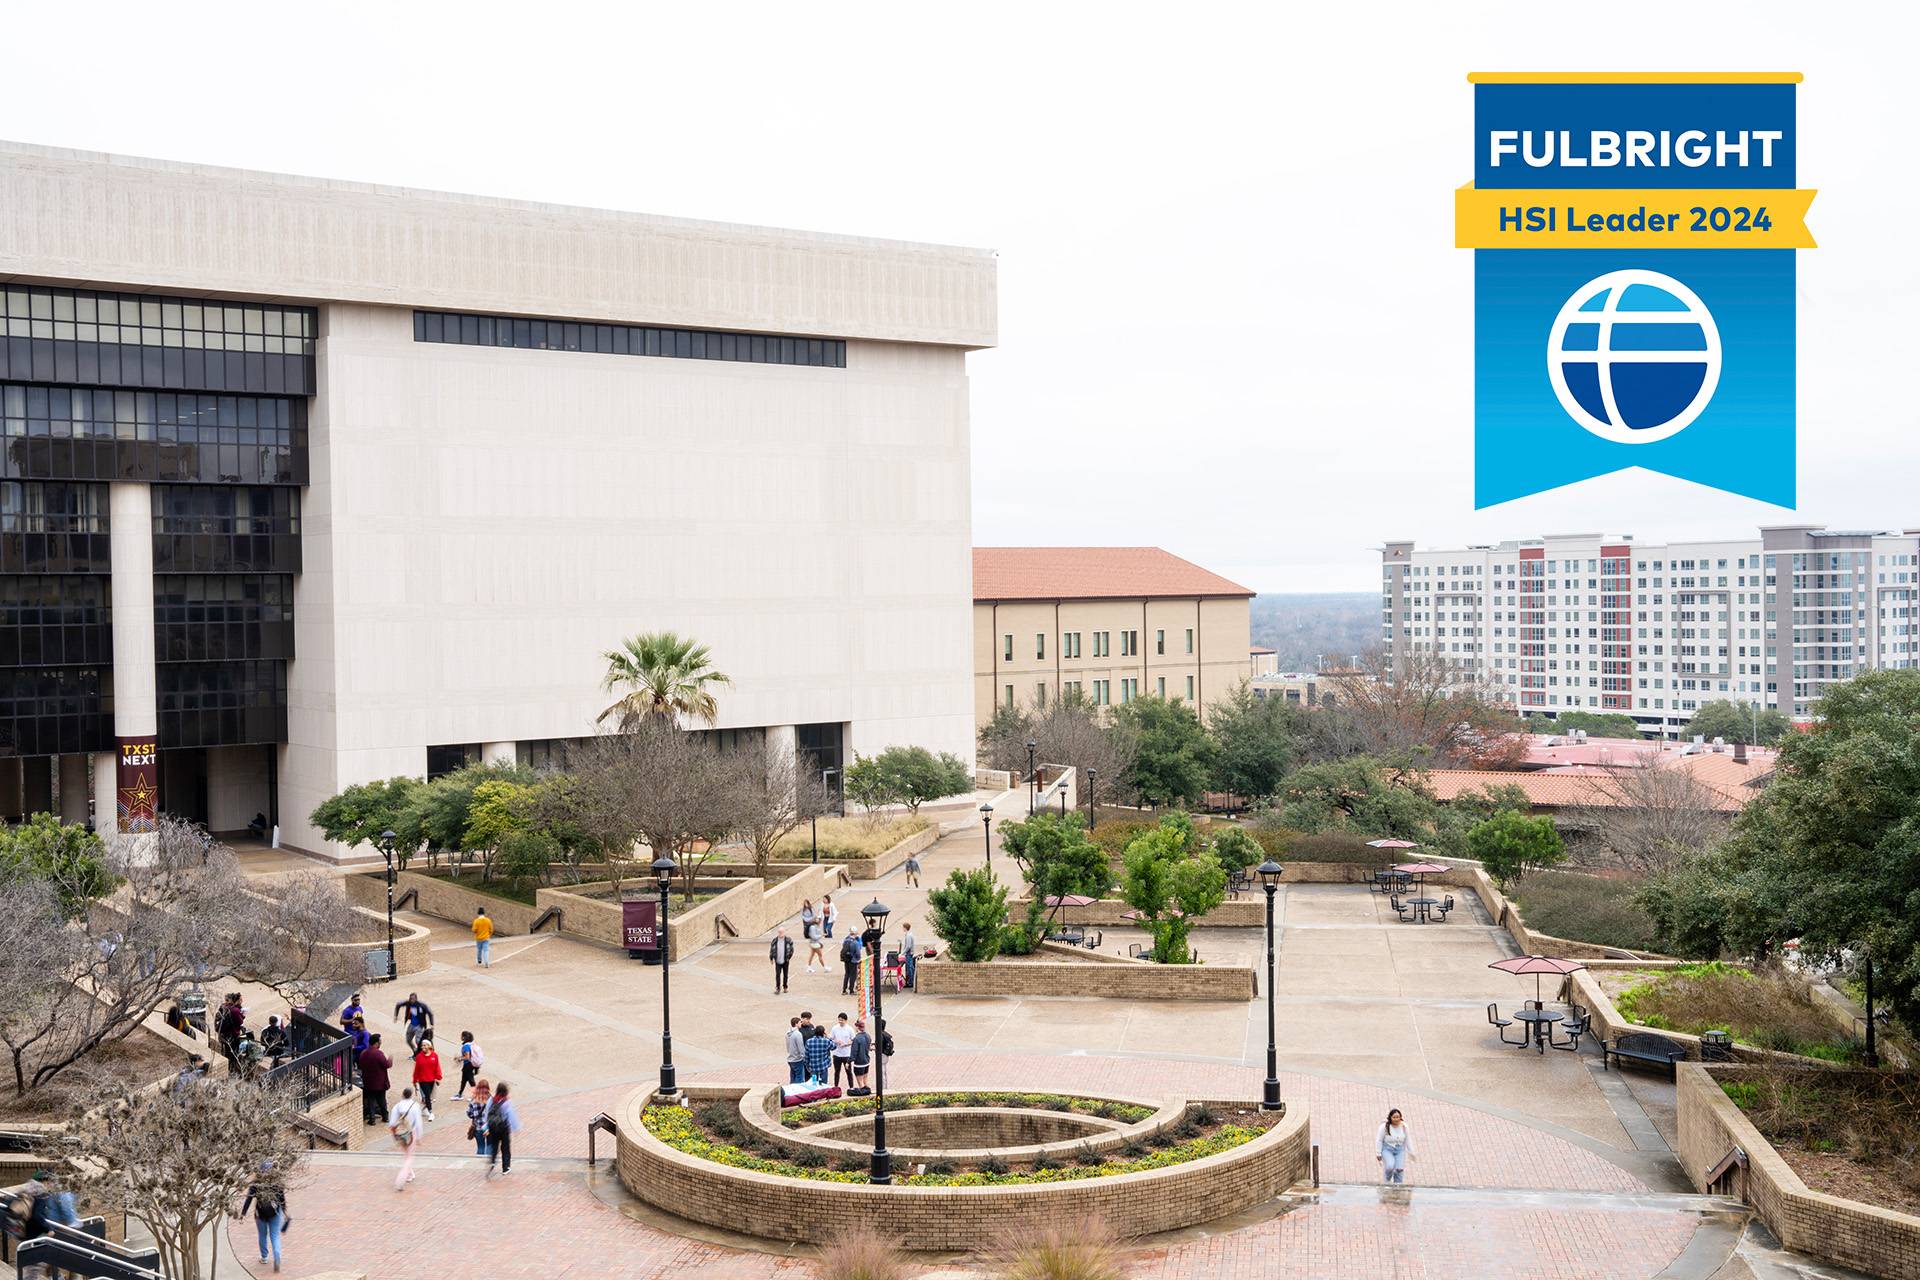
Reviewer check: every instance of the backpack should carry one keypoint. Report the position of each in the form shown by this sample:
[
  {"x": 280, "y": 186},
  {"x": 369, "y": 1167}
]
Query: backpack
[
  {"x": 497, "y": 1127},
  {"x": 472, "y": 1050},
  {"x": 266, "y": 1203},
  {"x": 847, "y": 951},
  {"x": 886, "y": 1044}
]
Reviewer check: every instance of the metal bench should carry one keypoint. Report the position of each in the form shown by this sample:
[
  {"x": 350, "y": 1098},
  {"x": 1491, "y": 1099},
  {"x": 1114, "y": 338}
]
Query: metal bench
[
  {"x": 1643, "y": 1046},
  {"x": 1501, "y": 1024},
  {"x": 1579, "y": 1020}
]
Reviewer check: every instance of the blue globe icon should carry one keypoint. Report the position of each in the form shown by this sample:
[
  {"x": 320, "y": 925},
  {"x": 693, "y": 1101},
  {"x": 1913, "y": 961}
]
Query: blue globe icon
[{"x": 1634, "y": 356}]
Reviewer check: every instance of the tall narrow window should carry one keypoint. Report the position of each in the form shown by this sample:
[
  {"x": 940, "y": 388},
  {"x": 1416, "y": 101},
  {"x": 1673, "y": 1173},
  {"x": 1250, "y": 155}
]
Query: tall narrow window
[
  {"x": 1160, "y": 686},
  {"x": 1189, "y": 688},
  {"x": 1040, "y": 695},
  {"x": 1008, "y": 650},
  {"x": 1160, "y": 642},
  {"x": 1189, "y": 639},
  {"x": 1009, "y": 697},
  {"x": 1040, "y": 645}
]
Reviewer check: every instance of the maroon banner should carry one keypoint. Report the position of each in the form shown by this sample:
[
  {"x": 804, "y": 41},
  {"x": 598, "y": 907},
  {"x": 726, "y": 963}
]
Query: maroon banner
[
  {"x": 137, "y": 799},
  {"x": 640, "y": 920}
]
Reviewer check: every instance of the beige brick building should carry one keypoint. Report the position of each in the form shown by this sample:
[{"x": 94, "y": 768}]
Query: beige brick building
[{"x": 1110, "y": 623}]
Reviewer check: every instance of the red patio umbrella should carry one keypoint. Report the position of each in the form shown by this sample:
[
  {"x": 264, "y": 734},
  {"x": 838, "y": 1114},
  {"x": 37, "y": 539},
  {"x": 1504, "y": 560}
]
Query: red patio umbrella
[
  {"x": 1537, "y": 966},
  {"x": 1421, "y": 869},
  {"x": 1070, "y": 900}
]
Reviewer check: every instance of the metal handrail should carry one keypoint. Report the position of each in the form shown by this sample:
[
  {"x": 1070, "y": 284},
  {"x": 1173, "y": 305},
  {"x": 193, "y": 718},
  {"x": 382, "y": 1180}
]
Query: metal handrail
[
  {"x": 319, "y": 1073},
  {"x": 603, "y": 1123},
  {"x": 551, "y": 913}
]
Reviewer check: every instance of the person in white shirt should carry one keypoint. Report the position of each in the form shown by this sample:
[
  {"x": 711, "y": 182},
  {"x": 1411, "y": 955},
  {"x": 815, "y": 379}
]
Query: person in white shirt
[
  {"x": 829, "y": 915},
  {"x": 842, "y": 1037},
  {"x": 1393, "y": 1147},
  {"x": 405, "y": 1126}
]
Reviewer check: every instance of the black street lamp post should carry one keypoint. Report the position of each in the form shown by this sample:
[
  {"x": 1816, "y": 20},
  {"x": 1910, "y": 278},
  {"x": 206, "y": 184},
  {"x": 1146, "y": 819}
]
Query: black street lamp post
[
  {"x": 386, "y": 847},
  {"x": 1270, "y": 880},
  {"x": 1033, "y": 780},
  {"x": 1093, "y": 812},
  {"x": 986, "y": 821},
  {"x": 1873, "y": 1053},
  {"x": 664, "y": 867},
  {"x": 881, "y": 1172}
]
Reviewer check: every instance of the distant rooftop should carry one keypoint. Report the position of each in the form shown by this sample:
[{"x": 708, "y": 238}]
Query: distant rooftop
[{"x": 1092, "y": 573}]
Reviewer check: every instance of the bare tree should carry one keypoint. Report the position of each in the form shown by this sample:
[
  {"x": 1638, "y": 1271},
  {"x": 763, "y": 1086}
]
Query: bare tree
[
  {"x": 671, "y": 790},
  {"x": 1070, "y": 731},
  {"x": 183, "y": 912},
  {"x": 1428, "y": 709},
  {"x": 776, "y": 804},
  {"x": 1647, "y": 815},
  {"x": 180, "y": 1160}
]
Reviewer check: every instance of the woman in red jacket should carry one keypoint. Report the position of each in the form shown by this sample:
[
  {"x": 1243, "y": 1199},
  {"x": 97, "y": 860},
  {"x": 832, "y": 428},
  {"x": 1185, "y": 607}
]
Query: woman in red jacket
[{"x": 426, "y": 1074}]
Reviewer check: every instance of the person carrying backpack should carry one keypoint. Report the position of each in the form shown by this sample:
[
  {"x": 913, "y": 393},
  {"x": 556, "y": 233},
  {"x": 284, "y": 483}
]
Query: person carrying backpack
[
  {"x": 470, "y": 1060},
  {"x": 850, "y": 949},
  {"x": 268, "y": 1200},
  {"x": 405, "y": 1126},
  {"x": 502, "y": 1123},
  {"x": 477, "y": 1116}
]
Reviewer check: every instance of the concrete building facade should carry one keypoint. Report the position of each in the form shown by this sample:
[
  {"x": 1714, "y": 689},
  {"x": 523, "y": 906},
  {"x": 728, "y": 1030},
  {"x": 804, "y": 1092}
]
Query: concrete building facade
[
  {"x": 335, "y": 482},
  {"x": 1109, "y": 624},
  {"x": 1592, "y": 622}
]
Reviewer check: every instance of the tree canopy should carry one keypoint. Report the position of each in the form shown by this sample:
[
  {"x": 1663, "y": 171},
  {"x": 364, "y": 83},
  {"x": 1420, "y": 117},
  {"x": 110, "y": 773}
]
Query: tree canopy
[
  {"x": 1737, "y": 722},
  {"x": 1171, "y": 881},
  {"x": 661, "y": 675},
  {"x": 1256, "y": 740},
  {"x": 1512, "y": 845},
  {"x": 1597, "y": 724},
  {"x": 1173, "y": 756}
]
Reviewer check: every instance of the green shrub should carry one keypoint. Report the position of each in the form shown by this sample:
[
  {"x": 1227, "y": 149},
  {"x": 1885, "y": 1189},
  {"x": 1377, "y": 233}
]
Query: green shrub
[
  {"x": 809, "y": 1158},
  {"x": 1745, "y": 1093},
  {"x": 1133, "y": 1148},
  {"x": 1585, "y": 908},
  {"x": 1115, "y": 834},
  {"x": 1237, "y": 850},
  {"x": 525, "y": 855},
  {"x": 1510, "y": 845},
  {"x": 970, "y": 912},
  {"x": 1084, "y": 1154},
  {"x": 992, "y": 1164},
  {"x": 1043, "y": 1161},
  {"x": 1334, "y": 846}
]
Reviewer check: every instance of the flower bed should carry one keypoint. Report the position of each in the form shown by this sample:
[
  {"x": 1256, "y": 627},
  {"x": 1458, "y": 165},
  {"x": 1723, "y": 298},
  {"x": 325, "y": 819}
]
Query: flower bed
[
  {"x": 837, "y": 1108},
  {"x": 684, "y": 1131}
]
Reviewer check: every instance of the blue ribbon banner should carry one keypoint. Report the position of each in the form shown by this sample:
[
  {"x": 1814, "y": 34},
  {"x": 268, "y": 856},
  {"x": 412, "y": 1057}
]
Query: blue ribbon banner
[{"x": 1593, "y": 360}]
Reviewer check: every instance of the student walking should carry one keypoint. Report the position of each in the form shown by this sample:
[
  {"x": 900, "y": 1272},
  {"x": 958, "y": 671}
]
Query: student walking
[
  {"x": 405, "y": 1126},
  {"x": 796, "y": 1053},
  {"x": 861, "y": 1054},
  {"x": 781, "y": 953},
  {"x": 808, "y": 917},
  {"x": 850, "y": 950},
  {"x": 913, "y": 872},
  {"x": 482, "y": 937},
  {"x": 268, "y": 1200},
  {"x": 426, "y": 1074},
  {"x": 829, "y": 914},
  {"x": 815, "y": 943},
  {"x": 351, "y": 1011},
  {"x": 470, "y": 1060},
  {"x": 418, "y": 1018},
  {"x": 374, "y": 1066},
  {"x": 477, "y": 1116},
  {"x": 842, "y": 1036},
  {"x": 502, "y": 1123},
  {"x": 359, "y": 1033},
  {"x": 1394, "y": 1147},
  {"x": 819, "y": 1056},
  {"x": 909, "y": 951}
]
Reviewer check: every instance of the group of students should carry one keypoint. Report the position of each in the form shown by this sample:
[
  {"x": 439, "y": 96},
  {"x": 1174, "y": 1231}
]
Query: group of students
[
  {"x": 818, "y": 925},
  {"x": 247, "y": 1054},
  {"x": 839, "y": 1054},
  {"x": 491, "y": 1118}
]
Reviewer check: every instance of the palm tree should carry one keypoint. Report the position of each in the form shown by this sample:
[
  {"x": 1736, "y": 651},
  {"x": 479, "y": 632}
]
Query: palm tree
[{"x": 664, "y": 675}]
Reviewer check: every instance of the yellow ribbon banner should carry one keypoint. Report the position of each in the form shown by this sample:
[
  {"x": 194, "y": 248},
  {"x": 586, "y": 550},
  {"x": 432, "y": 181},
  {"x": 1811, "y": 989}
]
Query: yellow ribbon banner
[{"x": 1644, "y": 219}]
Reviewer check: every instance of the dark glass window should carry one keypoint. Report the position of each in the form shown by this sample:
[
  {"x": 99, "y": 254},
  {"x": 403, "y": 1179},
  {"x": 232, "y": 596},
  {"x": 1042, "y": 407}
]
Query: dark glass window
[
  {"x": 53, "y": 711},
  {"x": 55, "y": 620},
  {"x": 444, "y": 760},
  {"x": 222, "y": 617},
  {"x": 549, "y": 755},
  {"x": 225, "y": 529},
  {"x": 209, "y": 704},
  {"x": 53, "y": 528},
  {"x": 621, "y": 339},
  {"x": 82, "y": 433},
  {"x": 128, "y": 340}
]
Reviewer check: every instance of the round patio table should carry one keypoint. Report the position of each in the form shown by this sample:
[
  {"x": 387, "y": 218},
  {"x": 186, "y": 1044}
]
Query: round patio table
[
  {"x": 1423, "y": 908},
  {"x": 1542, "y": 1021}
]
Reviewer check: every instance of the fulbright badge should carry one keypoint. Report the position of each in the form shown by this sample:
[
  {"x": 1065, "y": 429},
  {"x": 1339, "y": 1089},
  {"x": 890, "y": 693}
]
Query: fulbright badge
[{"x": 1633, "y": 279}]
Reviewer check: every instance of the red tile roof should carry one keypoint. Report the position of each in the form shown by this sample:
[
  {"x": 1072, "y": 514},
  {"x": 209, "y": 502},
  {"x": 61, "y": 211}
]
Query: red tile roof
[
  {"x": 1091, "y": 573},
  {"x": 1562, "y": 789}
]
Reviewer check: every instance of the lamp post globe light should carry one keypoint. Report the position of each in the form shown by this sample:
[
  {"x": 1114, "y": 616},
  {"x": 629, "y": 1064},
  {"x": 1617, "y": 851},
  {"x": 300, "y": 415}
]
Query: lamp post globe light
[
  {"x": 386, "y": 847},
  {"x": 1270, "y": 881},
  {"x": 1033, "y": 779},
  {"x": 663, "y": 868},
  {"x": 986, "y": 821},
  {"x": 881, "y": 1171}
]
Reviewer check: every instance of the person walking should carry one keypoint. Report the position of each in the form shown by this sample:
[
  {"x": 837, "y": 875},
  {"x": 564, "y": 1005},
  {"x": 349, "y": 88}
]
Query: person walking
[
  {"x": 351, "y": 1010},
  {"x": 426, "y": 1074},
  {"x": 268, "y": 1200},
  {"x": 418, "y": 1018},
  {"x": 850, "y": 949},
  {"x": 815, "y": 943},
  {"x": 232, "y": 1019},
  {"x": 808, "y": 917},
  {"x": 861, "y": 1055},
  {"x": 796, "y": 1052},
  {"x": 502, "y": 1123},
  {"x": 374, "y": 1083},
  {"x": 909, "y": 952},
  {"x": 829, "y": 914},
  {"x": 477, "y": 1116},
  {"x": 405, "y": 1126},
  {"x": 1393, "y": 1147},
  {"x": 913, "y": 872},
  {"x": 359, "y": 1033},
  {"x": 482, "y": 937},
  {"x": 819, "y": 1056},
  {"x": 842, "y": 1036},
  {"x": 470, "y": 1060},
  {"x": 781, "y": 953}
]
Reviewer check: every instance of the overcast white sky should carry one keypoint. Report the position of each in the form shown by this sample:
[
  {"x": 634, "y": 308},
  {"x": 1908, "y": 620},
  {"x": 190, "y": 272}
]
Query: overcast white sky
[{"x": 1232, "y": 320}]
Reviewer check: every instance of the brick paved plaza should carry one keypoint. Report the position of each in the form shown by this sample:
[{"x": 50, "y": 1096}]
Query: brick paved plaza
[{"x": 1526, "y": 1165}]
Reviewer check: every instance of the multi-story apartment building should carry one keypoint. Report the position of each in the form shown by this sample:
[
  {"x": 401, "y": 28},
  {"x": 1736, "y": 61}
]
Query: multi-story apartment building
[
  {"x": 1598, "y": 623},
  {"x": 308, "y": 482},
  {"x": 1110, "y": 624}
]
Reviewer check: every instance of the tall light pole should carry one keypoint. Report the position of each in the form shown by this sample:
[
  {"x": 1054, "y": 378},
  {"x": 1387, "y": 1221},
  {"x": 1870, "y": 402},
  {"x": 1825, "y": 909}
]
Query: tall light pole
[
  {"x": 1270, "y": 1099},
  {"x": 986, "y": 821},
  {"x": 1873, "y": 1053},
  {"x": 1033, "y": 779},
  {"x": 881, "y": 1170},
  {"x": 663, "y": 868},
  {"x": 1093, "y": 811},
  {"x": 386, "y": 847}
]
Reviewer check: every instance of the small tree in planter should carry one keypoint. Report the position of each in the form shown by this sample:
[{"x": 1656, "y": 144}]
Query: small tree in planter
[
  {"x": 970, "y": 911},
  {"x": 1057, "y": 858},
  {"x": 1237, "y": 850},
  {"x": 1171, "y": 884},
  {"x": 363, "y": 812},
  {"x": 1512, "y": 846},
  {"x": 500, "y": 809}
]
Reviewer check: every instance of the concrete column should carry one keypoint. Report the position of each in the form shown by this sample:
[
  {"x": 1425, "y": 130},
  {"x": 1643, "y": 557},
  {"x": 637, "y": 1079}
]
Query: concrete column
[
  {"x": 106, "y": 793},
  {"x": 499, "y": 752},
  {"x": 136, "y": 704},
  {"x": 73, "y": 788}
]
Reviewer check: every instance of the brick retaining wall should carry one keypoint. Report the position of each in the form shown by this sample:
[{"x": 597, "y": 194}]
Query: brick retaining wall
[
  {"x": 956, "y": 1218},
  {"x": 440, "y": 898},
  {"x": 1112, "y": 977},
  {"x": 1865, "y": 1237}
]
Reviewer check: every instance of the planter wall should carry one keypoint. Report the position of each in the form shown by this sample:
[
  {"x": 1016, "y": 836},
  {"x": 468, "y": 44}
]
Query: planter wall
[
  {"x": 1865, "y": 1237},
  {"x": 879, "y": 865},
  {"x": 1087, "y": 974},
  {"x": 602, "y": 920},
  {"x": 441, "y": 899}
]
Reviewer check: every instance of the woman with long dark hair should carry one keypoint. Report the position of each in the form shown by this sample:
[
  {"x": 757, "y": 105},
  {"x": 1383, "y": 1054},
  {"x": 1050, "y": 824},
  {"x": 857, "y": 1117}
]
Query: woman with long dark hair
[{"x": 1394, "y": 1147}]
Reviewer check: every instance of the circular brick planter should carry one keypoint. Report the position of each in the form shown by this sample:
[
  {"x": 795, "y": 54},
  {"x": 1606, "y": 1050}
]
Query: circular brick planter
[
  {"x": 946, "y": 1218},
  {"x": 967, "y": 1128}
]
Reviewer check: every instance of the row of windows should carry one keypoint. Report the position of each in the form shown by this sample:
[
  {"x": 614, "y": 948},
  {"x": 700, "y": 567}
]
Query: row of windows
[
  {"x": 27, "y": 507},
  {"x": 1102, "y": 691},
  {"x": 626, "y": 340},
  {"x": 53, "y": 620},
  {"x": 115, "y": 365},
  {"x": 1102, "y": 644},
  {"x": 53, "y": 313},
  {"x": 222, "y": 703},
  {"x": 57, "y": 711},
  {"x": 86, "y": 413},
  {"x": 225, "y": 509},
  {"x": 116, "y": 339},
  {"x": 222, "y": 617}
]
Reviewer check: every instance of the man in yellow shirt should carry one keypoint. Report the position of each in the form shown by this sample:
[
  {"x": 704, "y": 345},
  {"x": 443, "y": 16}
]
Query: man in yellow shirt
[{"x": 482, "y": 937}]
